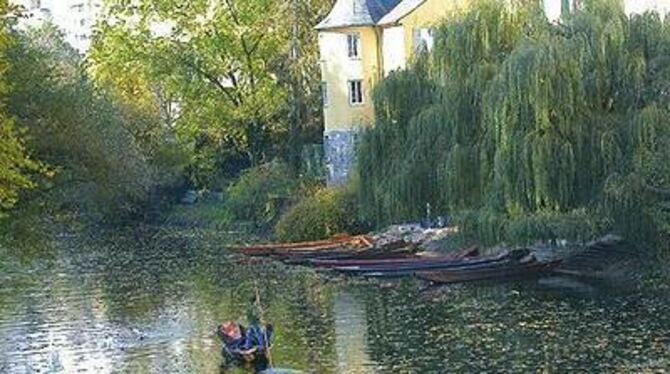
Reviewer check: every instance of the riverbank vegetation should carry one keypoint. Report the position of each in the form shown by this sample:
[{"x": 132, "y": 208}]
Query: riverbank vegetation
[
  {"x": 323, "y": 214},
  {"x": 160, "y": 104},
  {"x": 238, "y": 82},
  {"x": 519, "y": 129},
  {"x": 14, "y": 161},
  {"x": 81, "y": 157},
  {"x": 524, "y": 130}
]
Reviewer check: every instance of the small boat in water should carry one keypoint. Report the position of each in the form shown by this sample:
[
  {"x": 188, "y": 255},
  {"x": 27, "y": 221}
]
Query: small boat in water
[
  {"x": 512, "y": 269},
  {"x": 389, "y": 259},
  {"x": 248, "y": 347},
  {"x": 337, "y": 243},
  {"x": 403, "y": 251},
  {"x": 408, "y": 268},
  {"x": 340, "y": 247}
]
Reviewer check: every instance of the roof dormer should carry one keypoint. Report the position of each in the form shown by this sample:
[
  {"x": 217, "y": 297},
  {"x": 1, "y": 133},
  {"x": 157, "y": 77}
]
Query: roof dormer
[{"x": 353, "y": 13}]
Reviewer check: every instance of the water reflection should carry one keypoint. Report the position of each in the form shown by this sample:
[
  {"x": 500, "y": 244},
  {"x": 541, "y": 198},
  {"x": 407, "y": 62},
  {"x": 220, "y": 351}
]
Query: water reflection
[
  {"x": 145, "y": 305},
  {"x": 351, "y": 335}
]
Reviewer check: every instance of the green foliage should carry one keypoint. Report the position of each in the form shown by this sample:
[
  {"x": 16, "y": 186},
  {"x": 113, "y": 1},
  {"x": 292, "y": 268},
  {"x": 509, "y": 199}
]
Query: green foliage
[
  {"x": 222, "y": 74},
  {"x": 260, "y": 194},
  {"x": 529, "y": 123},
  {"x": 491, "y": 228},
  {"x": 328, "y": 212},
  {"x": 15, "y": 165},
  {"x": 80, "y": 132}
]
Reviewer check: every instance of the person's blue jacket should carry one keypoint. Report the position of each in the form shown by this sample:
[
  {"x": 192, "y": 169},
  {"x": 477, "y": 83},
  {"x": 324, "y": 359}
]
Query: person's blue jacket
[{"x": 253, "y": 337}]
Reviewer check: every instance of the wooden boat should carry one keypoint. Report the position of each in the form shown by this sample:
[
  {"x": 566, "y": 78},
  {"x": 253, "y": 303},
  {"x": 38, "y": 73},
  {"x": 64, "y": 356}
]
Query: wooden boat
[
  {"x": 510, "y": 270},
  {"x": 408, "y": 272},
  {"x": 409, "y": 267},
  {"x": 412, "y": 271},
  {"x": 333, "y": 244},
  {"x": 243, "y": 350},
  {"x": 406, "y": 252},
  {"x": 398, "y": 260}
]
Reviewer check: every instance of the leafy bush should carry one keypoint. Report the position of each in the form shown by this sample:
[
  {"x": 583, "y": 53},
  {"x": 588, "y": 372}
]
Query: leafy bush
[
  {"x": 327, "y": 212},
  {"x": 84, "y": 137},
  {"x": 260, "y": 194}
]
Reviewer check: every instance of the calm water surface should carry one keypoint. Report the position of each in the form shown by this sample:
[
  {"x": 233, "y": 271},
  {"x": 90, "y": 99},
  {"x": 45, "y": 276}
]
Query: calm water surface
[{"x": 148, "y": 303}]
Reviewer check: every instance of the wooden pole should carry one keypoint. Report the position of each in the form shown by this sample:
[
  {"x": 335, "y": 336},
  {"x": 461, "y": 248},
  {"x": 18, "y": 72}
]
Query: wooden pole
[{"x": 261, "y": 318}]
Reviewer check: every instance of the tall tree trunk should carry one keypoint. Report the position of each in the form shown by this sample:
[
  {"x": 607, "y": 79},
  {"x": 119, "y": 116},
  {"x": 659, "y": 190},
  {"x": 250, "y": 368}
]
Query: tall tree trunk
[
  {"x": 295, "y": 143},
  {"x": 256, "y": 140}
]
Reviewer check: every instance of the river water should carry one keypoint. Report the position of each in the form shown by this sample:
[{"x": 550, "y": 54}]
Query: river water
[{"x": 149, "y": 303}]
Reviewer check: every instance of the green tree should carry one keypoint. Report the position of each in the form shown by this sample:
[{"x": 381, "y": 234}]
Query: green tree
[
  {"x": 15, "y": 165},
  {"x": 75, "y": 129},
  {"x": 530, "y": 124},
  {"x": 224, "y": 65}
]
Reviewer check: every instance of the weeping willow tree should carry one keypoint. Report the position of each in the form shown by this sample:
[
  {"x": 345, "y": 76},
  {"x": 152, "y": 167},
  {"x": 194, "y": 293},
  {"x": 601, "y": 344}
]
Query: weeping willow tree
[
  {"x": 425, "y": 147},
  {"x": 520, "y": 118}
]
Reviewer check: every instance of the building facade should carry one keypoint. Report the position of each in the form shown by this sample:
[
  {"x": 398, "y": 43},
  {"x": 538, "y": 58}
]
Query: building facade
[
  {"x": 361, "y": 41},
  {"x": 351, "y": 64}
]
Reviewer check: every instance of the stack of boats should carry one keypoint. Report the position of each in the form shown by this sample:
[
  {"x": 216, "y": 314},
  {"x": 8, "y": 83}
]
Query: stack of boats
[
  {"x": 362, "y": 256},
  {"x": 338, "y": 247}
]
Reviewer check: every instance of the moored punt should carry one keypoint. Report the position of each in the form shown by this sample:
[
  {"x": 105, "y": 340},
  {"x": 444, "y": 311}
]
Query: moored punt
[
  {"x": 399, "y": 247},
  {"x": 412, "y": 271},
  {"x": 395, "y": 260},
  {"x": 408, "y": 268},
  {"x": 306, "y": 258},
  {"x": 510, "y": 270},
  {"x": 334, "y": 244}
]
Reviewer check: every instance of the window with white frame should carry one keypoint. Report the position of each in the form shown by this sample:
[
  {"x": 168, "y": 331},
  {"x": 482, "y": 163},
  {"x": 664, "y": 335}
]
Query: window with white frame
[
  {"x": 355, "y": 92},
  {"x": 354, "y": 45},
  {"x": 424, "y": 39},
  {"x": 324, "y": 93}
]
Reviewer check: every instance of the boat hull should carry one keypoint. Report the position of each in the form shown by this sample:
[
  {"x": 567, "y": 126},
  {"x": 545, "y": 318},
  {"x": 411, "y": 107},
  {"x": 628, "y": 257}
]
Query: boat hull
[
  {"x": 512, "y": 270},
  {"x": 398, "y": 261},
  {"x": 336, "y": 243},
  {"x": 403, "y": 269},
  {"x": 257, "y": 362}
]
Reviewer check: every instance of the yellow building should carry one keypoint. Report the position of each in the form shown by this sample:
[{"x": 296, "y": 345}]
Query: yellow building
[{"x": 361, "y": 41}]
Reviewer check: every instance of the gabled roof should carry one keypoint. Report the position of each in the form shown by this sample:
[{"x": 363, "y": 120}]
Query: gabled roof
[
  {"x": 399, "y": 12},
  {"x": 347, "y": 13}
]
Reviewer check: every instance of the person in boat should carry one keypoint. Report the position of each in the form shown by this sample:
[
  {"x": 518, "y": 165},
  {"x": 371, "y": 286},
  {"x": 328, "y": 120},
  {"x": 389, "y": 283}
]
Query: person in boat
[{"x": 245, "y": 345}]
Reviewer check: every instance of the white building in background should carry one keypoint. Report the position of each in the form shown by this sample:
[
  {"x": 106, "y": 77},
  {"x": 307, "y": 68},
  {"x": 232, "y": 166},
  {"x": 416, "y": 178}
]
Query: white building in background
[
  {"x": 75, "y": 17},
  {"x": 555, "y": 8}
]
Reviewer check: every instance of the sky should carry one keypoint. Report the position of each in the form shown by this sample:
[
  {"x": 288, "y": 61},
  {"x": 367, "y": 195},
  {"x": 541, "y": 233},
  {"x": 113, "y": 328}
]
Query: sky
[
  {"x": 59, "y": 8},
  {"x": 61, "y": 11},
  {"x": 636, "y": 6}
]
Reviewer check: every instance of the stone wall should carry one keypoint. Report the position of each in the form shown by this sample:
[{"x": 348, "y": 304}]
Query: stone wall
[{"x": 340, "y": 155}]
